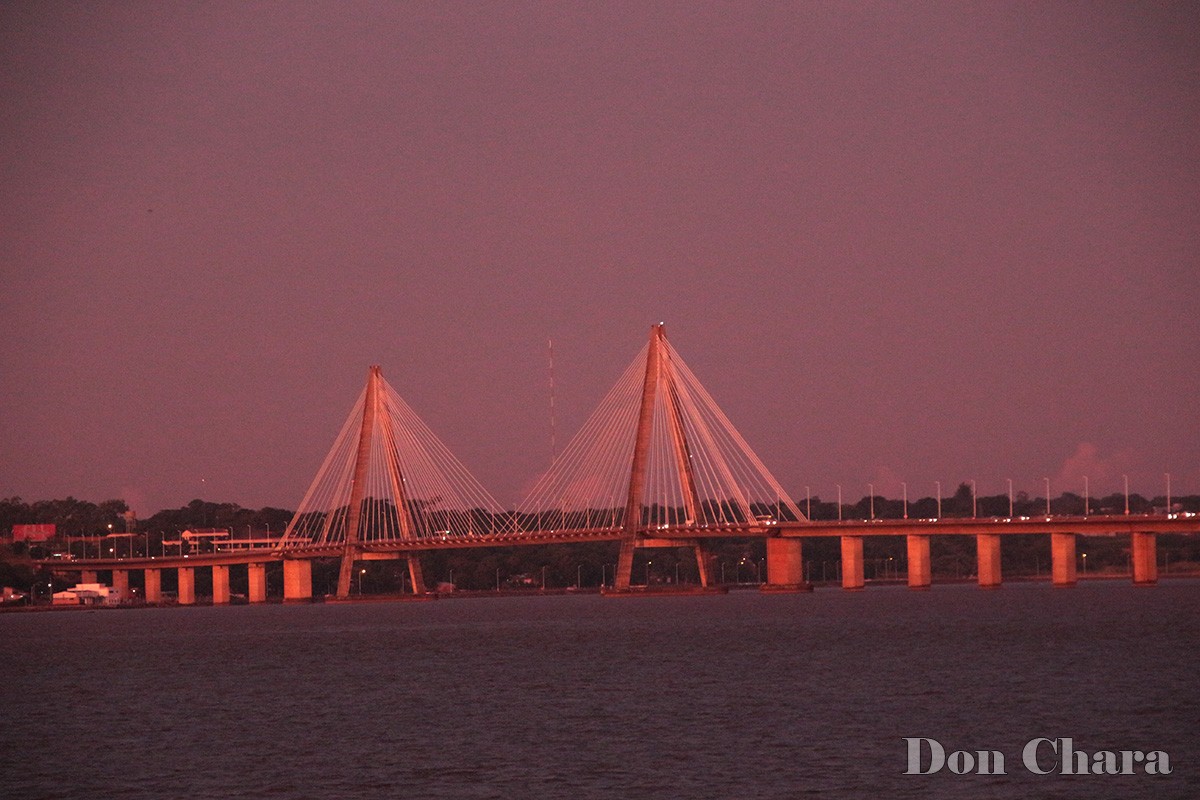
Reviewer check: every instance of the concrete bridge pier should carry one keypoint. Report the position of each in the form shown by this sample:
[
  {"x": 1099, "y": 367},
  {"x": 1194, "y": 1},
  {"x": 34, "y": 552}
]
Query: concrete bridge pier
[
  {"x": 1062, "y": 559},
  {"x": 1143, "y": 553},
  {"x": 852, "y": 563},
  {"x": 187, "y": 586},
  {"x": 704, "y": 564},
  {"x": 987, "y": 548},
  {"x": 258, "y": 583},
  {"x": 415, "y": 575},
  {"x": 297, "y": 580},
  {"x": 624, "y": 574},
  {"x": 785, "y": 563},
  {"x": 920, "y": 574},
  {"x": 153, "y": 586},
  {"x": 220, "y": 584},
  {"x": 120, "y": 582}
]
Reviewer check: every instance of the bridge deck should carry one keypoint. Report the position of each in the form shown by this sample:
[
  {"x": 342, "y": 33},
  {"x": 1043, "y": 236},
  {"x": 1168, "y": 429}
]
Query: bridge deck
[{"x": 1087, "y": 526}]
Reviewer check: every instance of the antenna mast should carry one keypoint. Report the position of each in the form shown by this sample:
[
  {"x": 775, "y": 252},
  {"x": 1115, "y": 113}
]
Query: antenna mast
[{"x": 553, "y": 422}]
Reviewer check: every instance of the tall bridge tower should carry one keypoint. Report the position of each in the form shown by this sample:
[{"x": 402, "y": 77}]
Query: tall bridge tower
[{"x": 659, "y": 464}]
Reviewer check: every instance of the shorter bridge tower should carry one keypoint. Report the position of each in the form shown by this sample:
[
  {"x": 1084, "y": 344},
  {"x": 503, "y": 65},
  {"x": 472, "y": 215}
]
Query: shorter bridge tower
[{"x": 387, "y": 486}]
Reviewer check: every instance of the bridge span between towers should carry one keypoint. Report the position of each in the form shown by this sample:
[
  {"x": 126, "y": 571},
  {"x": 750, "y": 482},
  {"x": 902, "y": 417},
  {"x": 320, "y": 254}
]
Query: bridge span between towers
[{"x": 658, "y": 464}]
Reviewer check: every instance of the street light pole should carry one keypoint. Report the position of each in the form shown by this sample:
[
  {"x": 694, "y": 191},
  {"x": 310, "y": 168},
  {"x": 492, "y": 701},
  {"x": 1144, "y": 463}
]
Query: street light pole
[
  {"x": 939, "y": 498},
  {"x": 904, "y": 486},
  {"x": 974, "y": 500},
  {"x": 1047, "y": 480},
  {"x": 1010, "y": 499},
  {"x": 839, "y": 502},
  {"x": 871, "y": 491},
  {"x": 1086, "y": 502},
  {"x": 1126, "y": 494}
]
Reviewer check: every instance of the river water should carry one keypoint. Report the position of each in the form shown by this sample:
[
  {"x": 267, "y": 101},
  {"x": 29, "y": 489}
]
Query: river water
[{"x": 736, "y": 696}]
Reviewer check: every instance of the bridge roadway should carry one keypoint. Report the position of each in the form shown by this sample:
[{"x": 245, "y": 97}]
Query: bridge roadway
[{"x": 784, "y": 559}]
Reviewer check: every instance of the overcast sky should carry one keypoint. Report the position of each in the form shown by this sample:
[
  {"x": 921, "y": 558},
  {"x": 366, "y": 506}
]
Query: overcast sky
[{"x": 915, "y": 241}]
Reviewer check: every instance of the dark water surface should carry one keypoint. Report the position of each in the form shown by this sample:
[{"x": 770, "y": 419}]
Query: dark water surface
[{"x": 738, "y": 696}]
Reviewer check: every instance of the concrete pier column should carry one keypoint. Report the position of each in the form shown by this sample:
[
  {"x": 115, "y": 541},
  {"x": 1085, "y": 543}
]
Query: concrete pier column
[
  {"x": 987, "y": 548},
  {"x": 1062, "y": 558},
  {"x": 297, "y": 580},
  {"x": 702, "y": 564},
  {"x": 1144, "y": 555},
  {"x": 852, "y": 562},
  {"x": 785, "y": 563},
  {"x": 624, "y": 574},
  {"x": 220, "y": 581},
  {"x": 258, "y": 583},
  {"x": 187, "y": 586},
  {"x": 154, "y": 586},
  {"x": 919, "y": 569},
  {"x": 88, "y": 576},
  {"x": 415, "y": 575},
  {"x": 120, "y": 583}
]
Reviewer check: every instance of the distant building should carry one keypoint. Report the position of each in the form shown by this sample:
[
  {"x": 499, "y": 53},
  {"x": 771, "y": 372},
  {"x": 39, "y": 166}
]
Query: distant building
[
  {"x": 88, "y": 594},
  {"x": 198, "y": 539},
  {"x": 34, "y": 533}
]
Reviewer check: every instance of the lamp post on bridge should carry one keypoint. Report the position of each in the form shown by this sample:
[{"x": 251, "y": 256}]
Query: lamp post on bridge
[
  {"x": 1010, "y": 499},
  {"x": 871, "y": 492},
  {"x": 1086, "y": 502},
  {"x": 839, "y": 502},
  {"x": 1047, "y": 480},
  {"x": 1126, "y": 477},
  {"x": 939, "y": 498},
  {"x": 974, "y": 500},
  {"x": 904, "y": 486}
]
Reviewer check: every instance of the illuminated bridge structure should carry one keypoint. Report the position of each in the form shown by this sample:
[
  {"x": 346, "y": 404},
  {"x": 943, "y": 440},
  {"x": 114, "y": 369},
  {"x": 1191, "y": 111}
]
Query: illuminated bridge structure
[{"x": 658, "y": 464}]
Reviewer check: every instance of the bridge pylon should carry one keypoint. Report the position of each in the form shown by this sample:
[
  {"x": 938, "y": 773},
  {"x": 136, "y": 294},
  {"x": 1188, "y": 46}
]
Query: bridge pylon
[
  {"x": 658, "y": 464},
  {"x": 386, "y": 489},
  {"x": 659, "y": 390},
  {"x": 370, "y": 419}
]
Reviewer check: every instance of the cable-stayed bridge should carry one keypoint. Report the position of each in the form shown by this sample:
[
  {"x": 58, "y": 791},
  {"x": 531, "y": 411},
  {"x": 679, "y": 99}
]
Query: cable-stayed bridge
[{"x": 658, "y": 464}]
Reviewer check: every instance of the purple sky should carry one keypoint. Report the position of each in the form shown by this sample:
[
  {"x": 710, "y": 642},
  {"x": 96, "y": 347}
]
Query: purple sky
[{"x": 896, "y": 242}]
